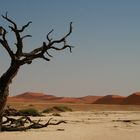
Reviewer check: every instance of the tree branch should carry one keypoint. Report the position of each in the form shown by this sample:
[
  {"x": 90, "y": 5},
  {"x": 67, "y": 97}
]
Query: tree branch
[
  {"x": 48, "y": 38},
  {"x": 26, "y": 36},
  {"x": 64, "y": 47},
  {"x": 9, "y": 20},
  {"x": 19, "y": 39},
  {"x": 14, "y": 28},
  {"x": 25, "y": 26},
  {"x": 45, "y": 58},
  {"x": 5, "y": 44},
  {"x": 63, "y": 38}
]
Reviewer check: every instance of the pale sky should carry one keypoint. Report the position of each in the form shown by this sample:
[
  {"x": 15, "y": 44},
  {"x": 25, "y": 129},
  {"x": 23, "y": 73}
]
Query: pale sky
[{"x": 106, "y": 59}]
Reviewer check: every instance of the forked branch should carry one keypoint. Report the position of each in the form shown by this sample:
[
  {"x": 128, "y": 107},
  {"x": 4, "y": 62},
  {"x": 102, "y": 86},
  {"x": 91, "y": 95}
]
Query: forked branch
[
  {"x": 40, "y": 52},
  {"x": 4, "y": 42}
]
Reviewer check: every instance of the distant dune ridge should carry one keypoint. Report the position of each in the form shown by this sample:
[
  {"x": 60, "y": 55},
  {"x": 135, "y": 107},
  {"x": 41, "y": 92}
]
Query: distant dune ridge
[
  {"x": 110, "y": 99},
  {"x": 133, "y": 99},
  {"x": 31, "y": 96}
]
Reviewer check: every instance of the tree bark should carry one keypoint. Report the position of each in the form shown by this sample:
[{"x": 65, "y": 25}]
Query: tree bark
[{"x": 5, "y": 81}]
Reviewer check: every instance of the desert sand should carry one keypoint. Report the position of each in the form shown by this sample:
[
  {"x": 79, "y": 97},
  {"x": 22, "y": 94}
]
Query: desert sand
[{"x": 85, "y": 125}]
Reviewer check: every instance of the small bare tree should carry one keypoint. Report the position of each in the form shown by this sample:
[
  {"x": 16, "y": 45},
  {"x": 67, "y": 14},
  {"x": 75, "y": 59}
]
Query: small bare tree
[{"x": 19, "y": 58}]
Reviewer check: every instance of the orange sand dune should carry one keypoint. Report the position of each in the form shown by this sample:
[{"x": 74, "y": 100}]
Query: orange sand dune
[
  {"x": 30, "y": 96},
  {"x": 110, "y": 99},
  {"x": 133, "y": 99},
  {"x": 90, "y": 99}
]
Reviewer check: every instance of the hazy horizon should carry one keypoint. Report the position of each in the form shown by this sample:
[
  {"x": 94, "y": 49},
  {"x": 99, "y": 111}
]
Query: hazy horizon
[{"x": 106, "y": 36}]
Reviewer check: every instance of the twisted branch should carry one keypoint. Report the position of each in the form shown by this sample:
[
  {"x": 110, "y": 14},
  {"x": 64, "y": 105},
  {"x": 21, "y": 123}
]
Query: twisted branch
[{"x": 25, "y": 123}]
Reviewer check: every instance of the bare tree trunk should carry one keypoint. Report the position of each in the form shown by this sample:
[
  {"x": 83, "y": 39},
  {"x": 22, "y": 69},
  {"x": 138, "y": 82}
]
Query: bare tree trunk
[
  {"x": 3, "y": 99},
  {"x": 5, "y": 81}
]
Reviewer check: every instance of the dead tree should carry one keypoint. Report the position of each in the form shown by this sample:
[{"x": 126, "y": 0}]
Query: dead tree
[{"x": 20, "y": 58}]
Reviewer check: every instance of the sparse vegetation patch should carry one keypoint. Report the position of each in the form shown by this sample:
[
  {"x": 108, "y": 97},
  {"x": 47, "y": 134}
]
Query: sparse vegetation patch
[
  {"x": 62, "y": 108},
  {"x": 48, "y": 110},
  {"x": 29, "y": 112},
  {"x": 57, "y": 109}
]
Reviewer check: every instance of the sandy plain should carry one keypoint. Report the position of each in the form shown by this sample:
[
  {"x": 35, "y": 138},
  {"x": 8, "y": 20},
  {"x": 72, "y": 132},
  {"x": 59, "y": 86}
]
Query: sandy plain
[{"x": 98, "y": 123}]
